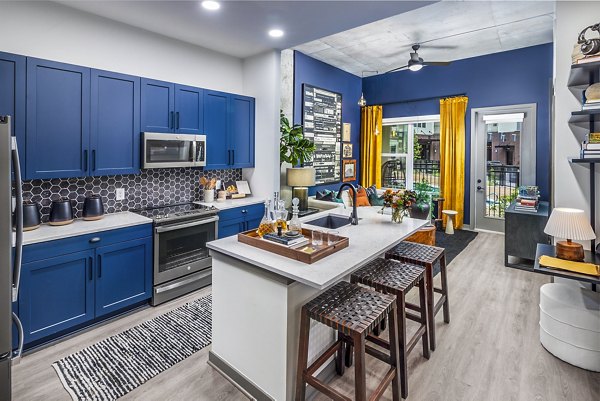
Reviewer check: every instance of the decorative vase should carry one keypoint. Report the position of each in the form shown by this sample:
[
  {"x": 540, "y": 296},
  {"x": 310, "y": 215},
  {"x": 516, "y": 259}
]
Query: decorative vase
[
  {"x": 398, "y": 215},
  {"x": 209, "y": 195},
  {"x": 419, "y": 211}
]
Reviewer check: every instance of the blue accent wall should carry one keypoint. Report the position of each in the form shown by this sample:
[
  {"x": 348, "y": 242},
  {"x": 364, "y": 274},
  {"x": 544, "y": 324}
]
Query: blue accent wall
[
  {"x": 500, "y": 79},
  {"x": 308, "y": 70}
]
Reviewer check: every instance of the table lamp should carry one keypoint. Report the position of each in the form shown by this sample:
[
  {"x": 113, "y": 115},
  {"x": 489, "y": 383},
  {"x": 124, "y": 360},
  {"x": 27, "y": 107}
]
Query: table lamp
[
  {"x": 571, "y": 224},
  {"x": 300, "y": 179}
]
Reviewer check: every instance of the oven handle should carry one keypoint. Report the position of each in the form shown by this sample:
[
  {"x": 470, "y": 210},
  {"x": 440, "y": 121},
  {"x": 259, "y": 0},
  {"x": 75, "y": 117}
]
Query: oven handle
[
  {"x": 186, "y": 225},
  {"x": 181, "y": 283}
]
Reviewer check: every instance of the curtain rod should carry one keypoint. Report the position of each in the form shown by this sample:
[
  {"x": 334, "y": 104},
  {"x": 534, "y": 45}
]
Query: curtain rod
[{"x": 420, "y": 100}]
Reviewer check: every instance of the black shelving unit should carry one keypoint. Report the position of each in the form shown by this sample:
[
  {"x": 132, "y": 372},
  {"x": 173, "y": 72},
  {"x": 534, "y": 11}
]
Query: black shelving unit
[{"x": 583, "y": 75}]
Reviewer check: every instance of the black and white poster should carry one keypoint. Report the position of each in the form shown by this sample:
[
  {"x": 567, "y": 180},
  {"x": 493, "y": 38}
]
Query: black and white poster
[{"x": 322, "y": 121}]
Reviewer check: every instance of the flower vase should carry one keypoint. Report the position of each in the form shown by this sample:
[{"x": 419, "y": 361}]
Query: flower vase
[{"x": 397, "y": 215}]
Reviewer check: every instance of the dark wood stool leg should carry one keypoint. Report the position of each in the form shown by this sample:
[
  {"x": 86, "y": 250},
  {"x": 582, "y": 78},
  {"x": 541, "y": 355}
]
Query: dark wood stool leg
[
  {"x": 445, "y": 288},
  {"x": 340, "y": 367},
  {"x": 402, "y": 345},
  {"x": 348, "y": 355},
  {"x": 424, "y": 316},
  {"x": 302, "y": 355},
  {"x": 394, "y": 354},
  {"x": 360, "y": 374},
  {"x": 430, "y": 305}
]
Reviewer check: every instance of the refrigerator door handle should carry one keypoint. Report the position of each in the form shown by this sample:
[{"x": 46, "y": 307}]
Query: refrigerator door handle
[
  {"x": 19, "y": 221},
  {"x": 16, "y": 357}
]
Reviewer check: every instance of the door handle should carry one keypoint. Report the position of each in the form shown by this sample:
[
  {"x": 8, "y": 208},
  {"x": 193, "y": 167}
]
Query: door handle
[
  {"x": 171, "y": 120},
  {"x": 85, "y": 160},
  {"x": 479, "y": 188},
  {"x": 229, "y": 157},
  {"x": 177, "y": 120},
  {"x": 99, "y": 266},
  {"x": 94, "y": 160},
  {"x": 91, "y": 273}
]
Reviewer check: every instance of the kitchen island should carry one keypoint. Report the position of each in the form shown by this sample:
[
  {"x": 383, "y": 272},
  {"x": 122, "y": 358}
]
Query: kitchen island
[{"x": 257, "y": 296}]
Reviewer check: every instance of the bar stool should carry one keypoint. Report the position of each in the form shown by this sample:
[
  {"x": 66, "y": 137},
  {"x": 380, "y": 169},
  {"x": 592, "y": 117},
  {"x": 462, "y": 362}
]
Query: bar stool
[
  {"x": 427, "y": 256},
  {"x": 353, "y": 311},
  {"x": 393, "y": 277}
]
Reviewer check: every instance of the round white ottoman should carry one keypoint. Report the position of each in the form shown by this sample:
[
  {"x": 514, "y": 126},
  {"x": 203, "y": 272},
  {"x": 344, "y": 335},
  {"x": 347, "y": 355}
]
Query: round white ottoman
[
  {"x": 449, "y": 221},
  {"x": 570, "y": 324}
]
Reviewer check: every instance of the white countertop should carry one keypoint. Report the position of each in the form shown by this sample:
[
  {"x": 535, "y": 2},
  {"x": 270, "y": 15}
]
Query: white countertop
[
  {"x": 231, "y": 203},
  {"x": 374, "y": 234},
  {"x": 79, "y": 227}
]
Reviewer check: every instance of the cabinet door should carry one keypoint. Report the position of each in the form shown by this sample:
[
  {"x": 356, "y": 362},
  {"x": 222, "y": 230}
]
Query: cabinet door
[
  {"x": 242, "y": 131},
  {"x": 12, "y": 98},
  {"x": 188, "y": 109},
  {"x": 115, "y": 124},
  {"x": 252, "y": 223},
  {"x": 123, "y": 275},
  {"x": 56, "y": 294},
  {"x": 58, "y": 119},
  {"x": 158, "y": 106},
  {"x": 231, "y": 227},
  {"x": 216, "y": 128}
]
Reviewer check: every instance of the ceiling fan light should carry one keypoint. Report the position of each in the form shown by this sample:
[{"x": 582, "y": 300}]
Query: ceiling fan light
[{"x": 415, "y": 67}]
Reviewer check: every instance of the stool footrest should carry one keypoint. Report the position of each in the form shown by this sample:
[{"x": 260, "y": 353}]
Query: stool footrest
[
  {"x": 383, "y": 385},
  {"x": 323, "y": 358},
  {"x": 415, "y": 339},
  {"x": 325, "y": 389},
  {"x": 374, "y": 352},
  {"x": 378, "y": 341}
]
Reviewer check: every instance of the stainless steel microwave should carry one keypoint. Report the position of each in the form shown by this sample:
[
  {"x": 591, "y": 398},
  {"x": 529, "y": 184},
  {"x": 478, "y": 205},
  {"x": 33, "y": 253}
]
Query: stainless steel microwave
[{"x": 161, "y": 150}]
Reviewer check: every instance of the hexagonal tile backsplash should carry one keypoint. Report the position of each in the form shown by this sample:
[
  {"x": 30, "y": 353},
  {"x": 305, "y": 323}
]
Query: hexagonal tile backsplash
[{"x": 149, "y": 188}]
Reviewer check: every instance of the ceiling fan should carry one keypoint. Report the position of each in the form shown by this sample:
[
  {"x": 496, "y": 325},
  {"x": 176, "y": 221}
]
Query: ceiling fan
[{"x": 416, "y": 63}]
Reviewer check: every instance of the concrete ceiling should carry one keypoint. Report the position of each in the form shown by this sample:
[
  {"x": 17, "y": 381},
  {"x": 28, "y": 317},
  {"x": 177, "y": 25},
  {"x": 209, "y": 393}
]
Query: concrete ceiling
[
  {"x": 240, "y": 28},
  {"x": 447, "y": 31}
]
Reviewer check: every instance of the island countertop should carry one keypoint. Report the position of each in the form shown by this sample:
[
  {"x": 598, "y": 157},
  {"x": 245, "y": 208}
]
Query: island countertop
[{"x": 374, "y": 234}]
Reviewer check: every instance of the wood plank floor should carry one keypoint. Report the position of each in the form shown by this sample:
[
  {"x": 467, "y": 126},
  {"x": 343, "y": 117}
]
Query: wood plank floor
[{"x": 490, "y": 351}]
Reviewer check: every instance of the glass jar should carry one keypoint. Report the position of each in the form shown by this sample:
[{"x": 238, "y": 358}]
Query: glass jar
[{"x": 266, "y": 224}]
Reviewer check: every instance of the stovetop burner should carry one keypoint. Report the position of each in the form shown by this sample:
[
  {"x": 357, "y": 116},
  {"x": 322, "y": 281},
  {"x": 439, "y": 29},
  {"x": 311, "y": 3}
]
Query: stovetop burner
[{"x": 182, "y": 211}]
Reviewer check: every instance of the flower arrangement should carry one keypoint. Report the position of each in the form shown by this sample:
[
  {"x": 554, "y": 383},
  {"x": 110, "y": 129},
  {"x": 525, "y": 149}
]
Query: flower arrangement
[{"x": 399, "y": 201}]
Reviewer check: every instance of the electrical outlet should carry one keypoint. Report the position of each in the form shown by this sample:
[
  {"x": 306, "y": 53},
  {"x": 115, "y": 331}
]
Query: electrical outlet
[{"x": 120, "y": 194}]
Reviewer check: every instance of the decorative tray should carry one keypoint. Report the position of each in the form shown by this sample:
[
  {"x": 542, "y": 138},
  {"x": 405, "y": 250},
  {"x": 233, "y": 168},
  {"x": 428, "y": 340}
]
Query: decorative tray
[{"x": 252, "y": 238}]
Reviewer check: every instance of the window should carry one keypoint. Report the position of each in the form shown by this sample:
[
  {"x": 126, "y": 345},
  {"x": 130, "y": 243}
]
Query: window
[{"x": 411, "y": 152}]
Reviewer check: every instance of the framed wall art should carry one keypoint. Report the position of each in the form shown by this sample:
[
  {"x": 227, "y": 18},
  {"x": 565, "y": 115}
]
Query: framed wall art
[
  {"x": 349, "y": 170},
  {"x": 347, "y": 150}
]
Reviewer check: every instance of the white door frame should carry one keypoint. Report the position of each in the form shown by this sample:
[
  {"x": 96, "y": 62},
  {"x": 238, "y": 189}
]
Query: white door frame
[{"x": 528, "y": 164}]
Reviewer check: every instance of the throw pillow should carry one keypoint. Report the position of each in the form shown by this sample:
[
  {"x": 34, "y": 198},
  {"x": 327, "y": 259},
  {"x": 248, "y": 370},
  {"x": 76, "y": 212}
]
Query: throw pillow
[
  {"x": 361, "y": 197},
  {"x": 376, "y": 200}
]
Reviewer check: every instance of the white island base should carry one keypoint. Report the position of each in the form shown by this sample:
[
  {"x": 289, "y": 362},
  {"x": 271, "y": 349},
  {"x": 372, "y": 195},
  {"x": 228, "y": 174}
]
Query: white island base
[{"x": 257, "y": 297}]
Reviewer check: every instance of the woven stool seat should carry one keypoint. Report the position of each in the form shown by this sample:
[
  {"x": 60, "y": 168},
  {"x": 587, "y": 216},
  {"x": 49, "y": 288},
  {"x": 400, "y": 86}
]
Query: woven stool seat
[
  {"x": 415, "y": 253},
  {"x": 349, "y": 308},
  {"x": 389, "y": 276}
]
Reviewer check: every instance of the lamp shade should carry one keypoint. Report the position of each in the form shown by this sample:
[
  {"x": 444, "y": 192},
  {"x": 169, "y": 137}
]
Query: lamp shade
[
  {"x": 301, "y": 177},
  {"x": 569, "y": 224}
]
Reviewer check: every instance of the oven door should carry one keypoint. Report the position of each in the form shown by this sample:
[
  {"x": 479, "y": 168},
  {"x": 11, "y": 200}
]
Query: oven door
[
  {"x": 168, "y": 150},
  {"x": 180, "y": 248}
]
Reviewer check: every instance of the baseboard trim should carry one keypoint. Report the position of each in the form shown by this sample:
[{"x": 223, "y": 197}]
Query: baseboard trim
[{"x": 240, "y": 381}]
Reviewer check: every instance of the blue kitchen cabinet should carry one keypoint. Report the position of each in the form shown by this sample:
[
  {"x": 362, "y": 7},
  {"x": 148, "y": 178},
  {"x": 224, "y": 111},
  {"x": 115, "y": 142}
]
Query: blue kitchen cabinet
[
  {"x": 242, "y": 131},
  {"x": 12, "y": 97},
  {"x": 123, "y": 275},
  {"x": 58, "y": 119},
  {"x": 158, "y": 106},
  {"x": 115, "y": 124},
  {"x": 56, "y": 294},
  {"x": 231, "y": 227},
  {"x": 189, "y": 110},
  {"x": 239, "y": 219},
  {"x": 216, "y": 129}
]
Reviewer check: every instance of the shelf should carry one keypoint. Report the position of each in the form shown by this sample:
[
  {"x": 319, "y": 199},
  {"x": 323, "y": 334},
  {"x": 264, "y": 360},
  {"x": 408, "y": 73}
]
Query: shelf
[
  {"x": 577, "y": 160},
  {"x": 583, "y": 116},
  {"x": 586, "y": 112},
  {"x": 581, "y": 76}
]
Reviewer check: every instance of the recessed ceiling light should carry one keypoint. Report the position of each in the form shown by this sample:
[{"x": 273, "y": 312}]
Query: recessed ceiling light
[
  {"x": 211, "y": 5},
  {"x": 276, "y": 33}
]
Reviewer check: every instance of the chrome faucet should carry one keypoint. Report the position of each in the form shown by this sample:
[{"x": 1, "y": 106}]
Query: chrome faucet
[{"x": 354, "y": 215}]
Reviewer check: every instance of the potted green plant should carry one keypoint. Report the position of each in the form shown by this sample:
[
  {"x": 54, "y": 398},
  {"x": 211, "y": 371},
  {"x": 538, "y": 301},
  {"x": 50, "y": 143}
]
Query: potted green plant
[
  {"x": 421, "y": 207},
  {"x": 293, "y": 147}
]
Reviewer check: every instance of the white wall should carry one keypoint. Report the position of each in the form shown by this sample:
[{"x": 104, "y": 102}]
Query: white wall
[
  {"x": 570, "y": 182},
  {"x": 262, "y": 80},
  {"x": 56, "y": 32}
]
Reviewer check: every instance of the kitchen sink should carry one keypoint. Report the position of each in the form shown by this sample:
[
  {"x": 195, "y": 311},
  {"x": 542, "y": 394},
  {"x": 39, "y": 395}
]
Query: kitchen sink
[{"x": 330, "y": 221}]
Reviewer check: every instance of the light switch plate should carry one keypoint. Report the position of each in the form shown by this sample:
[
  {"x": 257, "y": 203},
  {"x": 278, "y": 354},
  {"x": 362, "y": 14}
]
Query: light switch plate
[{"x": 120, "y": 194}]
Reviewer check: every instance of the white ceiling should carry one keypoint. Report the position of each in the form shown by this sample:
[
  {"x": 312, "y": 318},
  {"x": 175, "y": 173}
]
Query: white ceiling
[
  {"x": 448, "y": 30},
  {"x": 240, "y": 28}
]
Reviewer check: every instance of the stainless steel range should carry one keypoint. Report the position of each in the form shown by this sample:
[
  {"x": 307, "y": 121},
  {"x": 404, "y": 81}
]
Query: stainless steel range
[{"x": 181, "y": 260}]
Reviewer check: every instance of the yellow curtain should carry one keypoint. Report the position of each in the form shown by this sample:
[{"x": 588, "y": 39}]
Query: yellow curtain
[
  {"x": 452, "y": 155},
  {"x": 370, "y": 146}
]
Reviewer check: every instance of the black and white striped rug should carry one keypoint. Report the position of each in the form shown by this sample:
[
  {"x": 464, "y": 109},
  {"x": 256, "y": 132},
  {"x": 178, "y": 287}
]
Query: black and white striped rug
[{"x": 113, "y": 367}]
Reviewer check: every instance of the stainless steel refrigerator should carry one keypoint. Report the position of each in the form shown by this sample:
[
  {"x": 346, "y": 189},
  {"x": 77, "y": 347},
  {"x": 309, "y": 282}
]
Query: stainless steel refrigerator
[{"x": 10, "y": 254}]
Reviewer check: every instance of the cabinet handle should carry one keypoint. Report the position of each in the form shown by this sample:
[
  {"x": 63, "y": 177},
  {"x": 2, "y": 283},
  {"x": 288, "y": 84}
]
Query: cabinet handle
[
  {"x": 94, "y": 160},
  {"x": 94, "y": 240},
  {"x": 233, "y": 156},
  {"x": 99, "y": 266},
  {"x": 171, "y": 120},
  {"x": 244, "y": 211},
  {"x": 91, "y": 273},
  {"x": 177, "y": 119},
  {"x": 85, "y": 160}
]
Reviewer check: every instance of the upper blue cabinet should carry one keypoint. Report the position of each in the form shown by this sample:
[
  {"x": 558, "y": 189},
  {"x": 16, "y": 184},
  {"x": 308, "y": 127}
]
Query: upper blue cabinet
[
  {"x": 169, "y": 107},
  {"x": 229, "y": 129},
  {"x": 58, "y": 119},
  {"x": 115, "y": 128},
  {"x": 12, "y": 97}
]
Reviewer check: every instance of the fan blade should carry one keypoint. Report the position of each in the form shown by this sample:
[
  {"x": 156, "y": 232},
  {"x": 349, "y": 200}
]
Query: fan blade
[
  {"x": 397, "y": 69},
  {"x": 442, "y": 63}
]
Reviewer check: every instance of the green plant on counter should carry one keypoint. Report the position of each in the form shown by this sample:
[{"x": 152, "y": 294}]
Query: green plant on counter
[{"x": 293, "y": 147}]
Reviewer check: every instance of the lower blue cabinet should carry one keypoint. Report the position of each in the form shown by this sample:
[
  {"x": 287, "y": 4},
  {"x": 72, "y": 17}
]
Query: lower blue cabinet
[
  {"x": 231, "y": 227},
  {"x": 56, "y": 294},
  {"x": 239, "y": 219},
  {"x": 122, "y": 275}
]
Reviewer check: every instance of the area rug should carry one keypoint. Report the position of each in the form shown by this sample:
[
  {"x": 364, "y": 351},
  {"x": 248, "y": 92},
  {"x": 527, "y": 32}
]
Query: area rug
[
  {"x": 455, "y": 243},
  {"x": 113, "y": 367}
]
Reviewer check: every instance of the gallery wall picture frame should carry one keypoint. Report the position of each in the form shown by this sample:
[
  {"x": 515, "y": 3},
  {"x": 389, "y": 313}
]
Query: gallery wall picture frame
[
  {"x": 347, "y": 150},
  {"x": 346, "y": 132},
  {"x": 349, "y": 170}
]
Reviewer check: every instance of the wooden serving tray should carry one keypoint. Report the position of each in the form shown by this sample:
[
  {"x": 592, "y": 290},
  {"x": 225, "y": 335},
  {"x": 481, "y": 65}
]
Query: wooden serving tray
[{"x": 252, "y": 238}]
